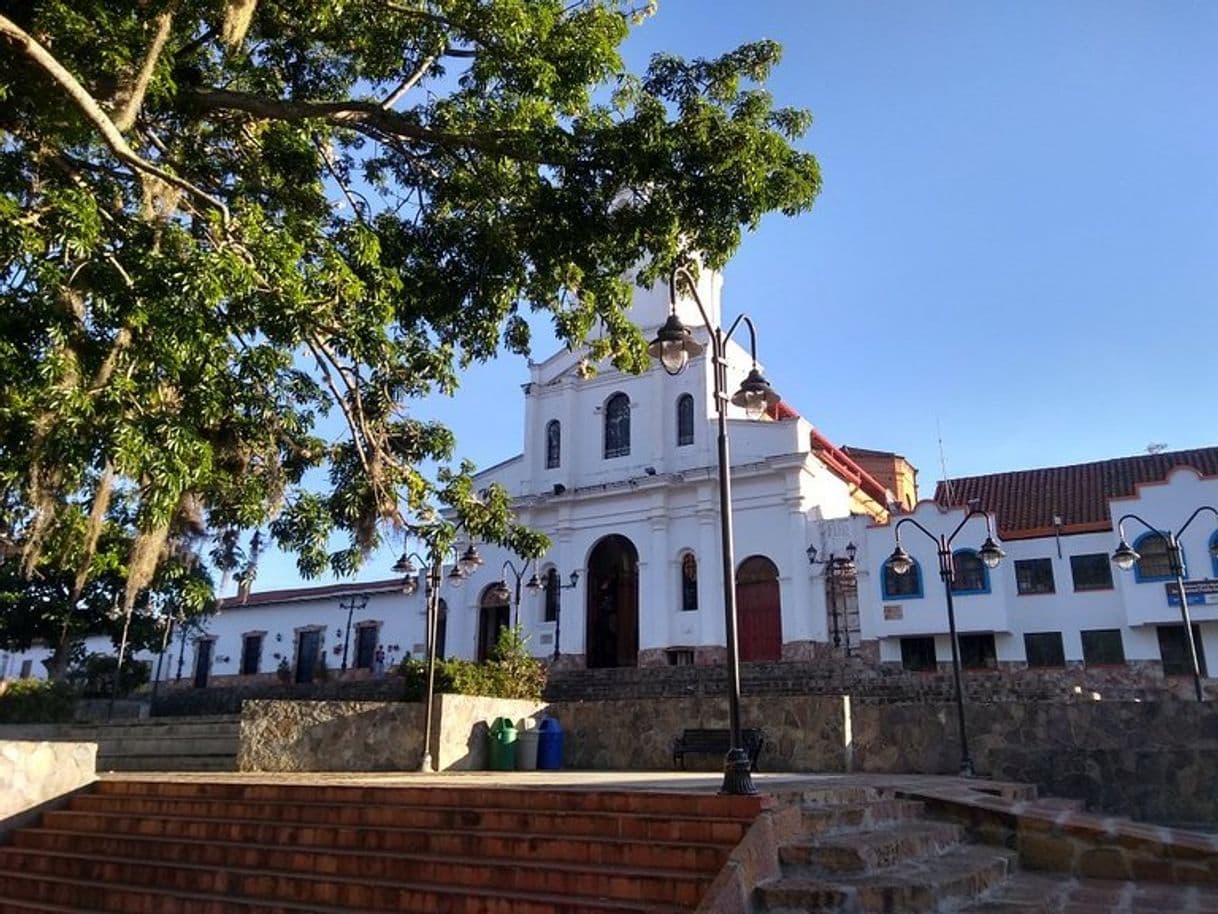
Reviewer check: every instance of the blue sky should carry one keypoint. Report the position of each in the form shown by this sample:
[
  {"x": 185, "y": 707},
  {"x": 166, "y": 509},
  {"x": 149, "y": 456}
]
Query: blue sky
[{"x": 1015, "y": 242}]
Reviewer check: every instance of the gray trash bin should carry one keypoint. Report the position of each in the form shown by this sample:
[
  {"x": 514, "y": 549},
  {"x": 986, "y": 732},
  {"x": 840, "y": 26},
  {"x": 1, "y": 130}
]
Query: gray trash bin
[{"x": 527, "y": 738}]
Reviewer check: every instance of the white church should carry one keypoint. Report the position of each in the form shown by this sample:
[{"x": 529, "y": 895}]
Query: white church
[{"x": 620, "y": 471}]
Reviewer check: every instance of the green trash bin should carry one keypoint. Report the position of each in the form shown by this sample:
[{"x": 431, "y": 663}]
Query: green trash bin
[{"x": 502, "y": 754}]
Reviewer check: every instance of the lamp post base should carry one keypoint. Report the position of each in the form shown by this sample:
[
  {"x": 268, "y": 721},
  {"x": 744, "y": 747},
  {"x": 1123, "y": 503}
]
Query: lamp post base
[
  {"x": 967, "y": 769},
  {"x": 737, "y": 774},
  {"x": 425, "y": 764}
]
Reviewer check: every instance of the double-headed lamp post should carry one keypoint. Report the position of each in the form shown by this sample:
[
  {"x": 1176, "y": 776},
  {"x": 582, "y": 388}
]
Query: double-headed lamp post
[
  {"x": 353, "y": 602},
  {"x": 462, "y": 568},
  {"x": 1125, "y": 558},
  {"x": 991, "y": 554},
  {"x": 501, "y": 590},
  {"x": 674, "y": 345}
]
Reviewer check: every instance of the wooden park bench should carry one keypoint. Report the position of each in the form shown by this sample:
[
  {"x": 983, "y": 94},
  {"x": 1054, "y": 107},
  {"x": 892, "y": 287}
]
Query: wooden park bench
[{"x": 716, "y": 741}]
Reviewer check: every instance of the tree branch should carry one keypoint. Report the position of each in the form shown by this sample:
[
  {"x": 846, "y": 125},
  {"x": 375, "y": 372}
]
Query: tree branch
[
  {"x": 366, "y": 117},
  {"x": 409, "y": 82},
  {"x": 129, "y": 98},
  {"x": 89, "y": 107}
]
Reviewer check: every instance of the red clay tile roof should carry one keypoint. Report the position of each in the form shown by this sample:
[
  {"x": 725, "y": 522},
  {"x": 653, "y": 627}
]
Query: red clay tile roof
[
  {"x": 300, "y": 594},
  {"x": 1024, "y": 501}
]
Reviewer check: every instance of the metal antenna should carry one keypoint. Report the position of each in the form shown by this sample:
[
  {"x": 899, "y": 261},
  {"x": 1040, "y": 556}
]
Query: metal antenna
[{"x": 947, "y": 483}]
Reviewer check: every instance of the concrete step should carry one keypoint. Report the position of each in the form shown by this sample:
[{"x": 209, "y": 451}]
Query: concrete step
[
  {"x": 868, "y": 851},
  {"x": 609, "y": 852},
  {"x": 920, "y": 886},
  {"x": 1050, "y": 893},
  {"x": 693, "y": 827},
  {"x": 821, "y": 819},
  {"x": 259, "y": 872}
]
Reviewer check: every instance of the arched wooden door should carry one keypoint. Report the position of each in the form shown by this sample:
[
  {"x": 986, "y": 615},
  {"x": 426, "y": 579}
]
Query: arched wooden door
[
  {"x": 612, "y": 634},
  {"x": 493, "y": 616},
  {"x": 758, "y": 610}
]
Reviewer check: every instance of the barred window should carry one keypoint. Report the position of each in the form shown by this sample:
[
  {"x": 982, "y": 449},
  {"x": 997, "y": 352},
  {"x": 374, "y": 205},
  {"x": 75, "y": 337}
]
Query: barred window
[{"x": 553, "y": 444}]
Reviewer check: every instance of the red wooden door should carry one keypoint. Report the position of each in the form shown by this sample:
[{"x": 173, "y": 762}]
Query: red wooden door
[{"x": 758, "y": 610}]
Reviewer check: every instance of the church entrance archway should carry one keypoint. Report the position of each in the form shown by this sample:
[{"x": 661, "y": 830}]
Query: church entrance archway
[
  {"x": 758, "y": 609},
  {"x": 613, "y": 603},
  {"x": 493, "y": 617}
]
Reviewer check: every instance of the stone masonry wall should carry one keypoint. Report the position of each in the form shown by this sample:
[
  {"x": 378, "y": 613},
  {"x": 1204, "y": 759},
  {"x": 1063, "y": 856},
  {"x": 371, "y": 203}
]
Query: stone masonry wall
[
  {"x": 32, "y": 773},
  {"x": 804, "y": 732},
  {"x": 1156, "y": 761},
  {"x": 371, "y": 736},
  {"x": 831, "y": 674},
  {"x": 330, "y": 736}
]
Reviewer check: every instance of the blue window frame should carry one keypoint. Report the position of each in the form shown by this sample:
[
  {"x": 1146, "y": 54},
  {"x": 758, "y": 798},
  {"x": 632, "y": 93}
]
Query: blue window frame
[
  {"x": 1154, "y": 564},
  {"x": 971, "y": 574},
  {"x": 907, "y": 586}
]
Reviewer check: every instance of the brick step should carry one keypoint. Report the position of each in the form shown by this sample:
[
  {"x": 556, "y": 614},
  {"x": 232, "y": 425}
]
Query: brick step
[
  {"x": 915, "y": 887},
  {"x": 537, "y": 798},
  {"x": 872, "y": 850},
  {"x": 86, "y": 897},
  {"x": 689, "y": 856},
  {"x": 704, "y": 829},
  {"x": 158, "y": 862},
  {"x": 823, "y": 819},
  {"x": 1052, "y": 893}
]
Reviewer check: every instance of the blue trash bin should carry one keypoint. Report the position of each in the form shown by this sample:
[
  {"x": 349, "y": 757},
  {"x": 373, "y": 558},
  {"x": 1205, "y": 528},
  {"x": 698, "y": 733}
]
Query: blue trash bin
[{"x": 549, "y": 744}]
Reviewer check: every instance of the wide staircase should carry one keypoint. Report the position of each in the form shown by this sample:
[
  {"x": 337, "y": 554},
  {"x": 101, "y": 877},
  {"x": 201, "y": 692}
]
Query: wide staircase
[
  {"x": 172, "y": 847},
  {"x": 149, "y": 744},
  {"x": 868, "y": 850}
]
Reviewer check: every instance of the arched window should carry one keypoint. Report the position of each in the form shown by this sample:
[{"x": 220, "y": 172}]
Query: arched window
[
  {"x": 971, "y": 576},
  {"x": 1154, "y": 561},
  {"x": 553, "y": 594},
  {"x": 907, "y": 586},
  {"x": 689, "y": 582},
  {"x": 617, "y": 426},
  {"x": 553, "y": 444},
  {"x": 493, "y": 617},
  {"x": 685, "y": 420},
  {"x": 441, "y": 628}
]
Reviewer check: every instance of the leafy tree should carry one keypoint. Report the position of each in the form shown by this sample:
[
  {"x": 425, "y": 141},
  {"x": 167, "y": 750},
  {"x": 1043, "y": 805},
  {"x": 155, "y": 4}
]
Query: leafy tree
[{"x": 220, "y": 220}]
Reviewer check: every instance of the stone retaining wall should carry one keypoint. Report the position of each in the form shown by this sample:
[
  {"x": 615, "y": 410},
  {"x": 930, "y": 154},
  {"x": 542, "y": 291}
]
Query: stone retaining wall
[
  {"x": 804, "y": 732},
  {"x": 371, "y": 736},
  {"x": 1155, "y": 761},
  {"x": 33, "y": 773},
  {"x": 832, "y": 674}
]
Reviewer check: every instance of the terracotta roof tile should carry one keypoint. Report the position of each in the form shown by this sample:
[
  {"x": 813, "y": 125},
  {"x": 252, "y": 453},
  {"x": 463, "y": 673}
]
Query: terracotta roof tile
[
  {"x": 301, "y": 594},
  {"x": 1025, "y": 501}
]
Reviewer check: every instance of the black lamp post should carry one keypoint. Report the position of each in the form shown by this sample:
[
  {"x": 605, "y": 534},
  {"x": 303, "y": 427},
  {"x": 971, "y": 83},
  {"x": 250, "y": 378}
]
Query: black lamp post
[
  {"x": 558, "y": 609},
  {"x": 501, "y": 590},
  {"x": 435, "y": 577},
  {"x": 674, "y": 345},
  {"x": 839, "y": 569},
  {"x": 991, "y": 554},
  {"x": 354, "y": 602},
  {"x": 1124, "y": 558}
]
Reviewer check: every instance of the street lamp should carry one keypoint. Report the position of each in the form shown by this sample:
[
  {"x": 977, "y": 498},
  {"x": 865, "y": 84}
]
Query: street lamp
[
  {"x": 354, "y": 602},
  {"x": 839, "y": 569},
  {"x": 991, "y": 554},
  {"x": 435, "y": 577},
  {"x": 674, "y": 345},
  {"x": 1125, "y": 558},
  {"x": 558, "y": 608},
  {"x": 501, "y": 591}
]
